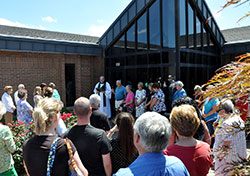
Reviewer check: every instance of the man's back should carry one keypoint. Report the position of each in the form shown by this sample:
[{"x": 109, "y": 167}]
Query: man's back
[
  {"x": 91, "y": 143},
  {"x": 99, "y": 119},
  {"x": 155, "y": 164}
]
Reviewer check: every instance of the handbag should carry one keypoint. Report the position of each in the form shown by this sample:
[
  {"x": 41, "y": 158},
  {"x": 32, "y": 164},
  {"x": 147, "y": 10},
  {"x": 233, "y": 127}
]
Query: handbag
[{"x": 74, "y": 170}]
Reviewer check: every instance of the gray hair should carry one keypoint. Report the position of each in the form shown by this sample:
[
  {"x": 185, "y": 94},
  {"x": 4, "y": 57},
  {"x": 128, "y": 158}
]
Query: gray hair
[
  {"x": 140, "y": 84},
  {"x": 129, "y": 87},
  {"x": 2, "y": 110},
  {"x": 118, "y": 81},
  {"x": 227, "y": 106},
  {"x": 20, "y": 86},
  {"x": 154, "y": 131},
  {"x": 95, "y": 100},
  {"x": 179, "y": 83}
]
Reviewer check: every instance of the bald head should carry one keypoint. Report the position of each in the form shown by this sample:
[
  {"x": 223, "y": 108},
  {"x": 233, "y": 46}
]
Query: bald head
[{"x": 82, "y": 107}]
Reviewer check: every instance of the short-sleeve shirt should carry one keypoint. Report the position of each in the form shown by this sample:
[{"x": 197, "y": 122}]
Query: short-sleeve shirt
[
  {"x": 7, "y": 146},
  {"x": 120, "y": 93},
  {"x": 195, "y": 158},
  {"x": 130, "y": 97},
  {"x": 160, "y": 104},
  {"x": 155, "y": 164},
  {"x": 209, "y": 106},
  {"x": 99, "y": 119},
  {"x": 22, "y": 111},
  {"x": 91, "y": 143},
  {"x": 36, "y": 151}
]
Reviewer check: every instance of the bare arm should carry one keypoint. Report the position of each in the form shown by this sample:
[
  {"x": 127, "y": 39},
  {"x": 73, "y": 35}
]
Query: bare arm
[
  {"x": 79, "y": 164},
  {"x": 107, "y": 164},
  {"x": 153, "y": 102},
  {"x": 214, "y": 109},
  {"x": 26, "y": 170}
]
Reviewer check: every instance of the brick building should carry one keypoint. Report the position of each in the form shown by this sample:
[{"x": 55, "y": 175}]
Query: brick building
[{"x": 32, "y": 56}]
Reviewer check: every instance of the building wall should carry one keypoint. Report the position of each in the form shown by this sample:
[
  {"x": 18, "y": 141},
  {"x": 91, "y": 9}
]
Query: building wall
[{"x": 33, "y": 68}]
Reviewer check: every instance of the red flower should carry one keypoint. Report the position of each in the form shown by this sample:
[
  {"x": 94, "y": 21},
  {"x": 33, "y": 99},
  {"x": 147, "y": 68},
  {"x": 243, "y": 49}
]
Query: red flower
[
  {"x": 22, "y": 134},
  {"x": 1, "y": 123},
  {"x": 17, "y": 125},
  {"x": 21, "y": 123},
  {"x": 15, "y": 141},
  {"x": 31, "y": 123}
]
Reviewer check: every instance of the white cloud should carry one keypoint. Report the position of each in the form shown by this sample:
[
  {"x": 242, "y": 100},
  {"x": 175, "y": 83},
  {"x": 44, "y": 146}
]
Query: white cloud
[
  {"x": 6, "y": 22},
  {"x": 100, "y": 21},
  {"x": 97, "y": 30},
  {"x": 49, "y": 19}
]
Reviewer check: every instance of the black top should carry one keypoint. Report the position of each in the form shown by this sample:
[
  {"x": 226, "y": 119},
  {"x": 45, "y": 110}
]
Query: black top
[
  {"x": 99, "y": 120},
  {"x": 91, "y": 143},
  {"x": 118, "y": 159},
  {"x": 36, "y": 151}
]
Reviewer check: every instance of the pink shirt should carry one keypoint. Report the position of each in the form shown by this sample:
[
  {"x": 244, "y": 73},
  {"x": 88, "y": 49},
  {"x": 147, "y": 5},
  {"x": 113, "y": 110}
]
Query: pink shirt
[{"x": 130, "y": 96}]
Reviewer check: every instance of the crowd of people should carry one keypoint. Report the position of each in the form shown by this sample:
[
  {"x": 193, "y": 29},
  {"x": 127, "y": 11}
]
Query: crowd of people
[{"x": 141, "y": 139}]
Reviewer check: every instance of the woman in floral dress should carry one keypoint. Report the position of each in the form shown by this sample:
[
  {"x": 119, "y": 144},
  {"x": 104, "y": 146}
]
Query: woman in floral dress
[{"x": 140, "y": 97}]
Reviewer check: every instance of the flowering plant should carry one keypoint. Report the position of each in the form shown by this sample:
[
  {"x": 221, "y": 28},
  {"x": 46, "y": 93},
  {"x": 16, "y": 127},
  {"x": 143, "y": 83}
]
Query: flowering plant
[
  {"x": 69, "y": 119},
  {"x": 20, "y": 135}
]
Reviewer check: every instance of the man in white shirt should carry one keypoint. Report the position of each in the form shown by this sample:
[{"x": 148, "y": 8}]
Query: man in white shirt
[
  {"x": 9, "y": 104},
  {"x": 20, "y": 87}
]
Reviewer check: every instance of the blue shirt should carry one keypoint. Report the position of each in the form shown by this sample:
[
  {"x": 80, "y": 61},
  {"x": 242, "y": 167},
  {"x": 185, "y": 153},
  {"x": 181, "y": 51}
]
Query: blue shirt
[
  {"x": 209, "y": 106},
  {"x": 154, "y": 164},
  {"x": 179, "y": 94},
  {"x": 23, "y": 108},
  {"x": 120, "y": 93}
]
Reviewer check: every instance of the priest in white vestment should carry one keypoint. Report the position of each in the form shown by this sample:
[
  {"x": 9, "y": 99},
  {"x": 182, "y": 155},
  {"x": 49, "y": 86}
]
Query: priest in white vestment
[{"x": 103, "y": 89}]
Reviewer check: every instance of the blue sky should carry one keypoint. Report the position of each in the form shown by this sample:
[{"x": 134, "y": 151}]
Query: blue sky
[{"x": 90, "y": 17}]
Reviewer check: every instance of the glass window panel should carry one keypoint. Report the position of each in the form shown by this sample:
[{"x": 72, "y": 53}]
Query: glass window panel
[
  {"x": 142, "y": 33},
  {"x": 168, "y": 12},
  {"x": 117, "y": 29},
  {"x": 110, "y": 37},
  {"x": 142, "y": 59},
  {"x": 165, "y": 56},
  {"x": 182, "y": 23},
  {"x": 147, "y": 1},
  {"x": 131, "y": 77},
  {"x": 131, "y": 12},
  {"x": 198, "y": 33},
  {"x": 131, "y": 60},
  {"x": 199, "y": 3},
  {"x": 205, "y": 39},
  {"x": 131, "y": 39},
  {"x": 124, "y": 21},
  {"x": 154, "y": 25},
  {"x": 119, "y": 46},
  {"x": 140, "y": 5},
  {"x": 142, "y": 75},
  {"x": 103, "y": 42},
  {"x": 190, "y": 26},
  {"x": 205, "y": 11},
  {"x": 155, "y": 58},
  {"x": 118, "y": 61}
]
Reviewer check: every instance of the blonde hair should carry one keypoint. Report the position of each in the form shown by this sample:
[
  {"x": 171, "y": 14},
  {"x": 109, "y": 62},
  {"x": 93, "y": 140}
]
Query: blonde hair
[
  {"x": 7, "y": 88},
  {"x": 2, "y": 110},
  {"x": 184, "y": 119},
  {"x": 45, "y": 112},
  {"x": 37, "y": 90}
]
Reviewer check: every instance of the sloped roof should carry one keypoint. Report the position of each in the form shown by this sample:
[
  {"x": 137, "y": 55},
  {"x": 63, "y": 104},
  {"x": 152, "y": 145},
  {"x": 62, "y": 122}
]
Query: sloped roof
[
  {"x": 45, "y": 35},
  {"x": 236, "y": 35}
]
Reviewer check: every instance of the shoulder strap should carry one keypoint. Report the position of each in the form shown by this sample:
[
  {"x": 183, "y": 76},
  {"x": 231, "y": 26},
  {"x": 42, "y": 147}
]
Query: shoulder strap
[
  {"x": 73, "y": 165},
  {"x": 51, "y": 156}
]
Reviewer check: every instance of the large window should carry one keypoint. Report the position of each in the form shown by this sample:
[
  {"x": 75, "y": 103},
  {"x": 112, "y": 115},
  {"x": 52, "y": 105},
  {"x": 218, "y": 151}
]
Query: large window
[
  {"x": 190, "y": 27},
  {"x": 198, "y": 33},
  {"x": 131, "y": 39},
  {"x": 182, "y": 23},
  {"x": 142, "y": 32},
  {"x": 168, "y": 23},
  {"x": 154, "y": 25},
  {"x": 119, "y": 46}
]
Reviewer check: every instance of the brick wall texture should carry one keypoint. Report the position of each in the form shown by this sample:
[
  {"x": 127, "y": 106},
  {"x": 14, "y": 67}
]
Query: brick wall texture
[{"x": 33, "y": 68}]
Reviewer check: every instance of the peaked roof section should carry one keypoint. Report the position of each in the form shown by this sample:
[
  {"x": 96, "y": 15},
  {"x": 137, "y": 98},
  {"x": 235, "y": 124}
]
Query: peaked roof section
[
  {"x": 137, "y": 6},
  {"x": 126, "y": 17},
  {"x": 46, "y": 35},
  {"x": 237, "y": 35}
]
